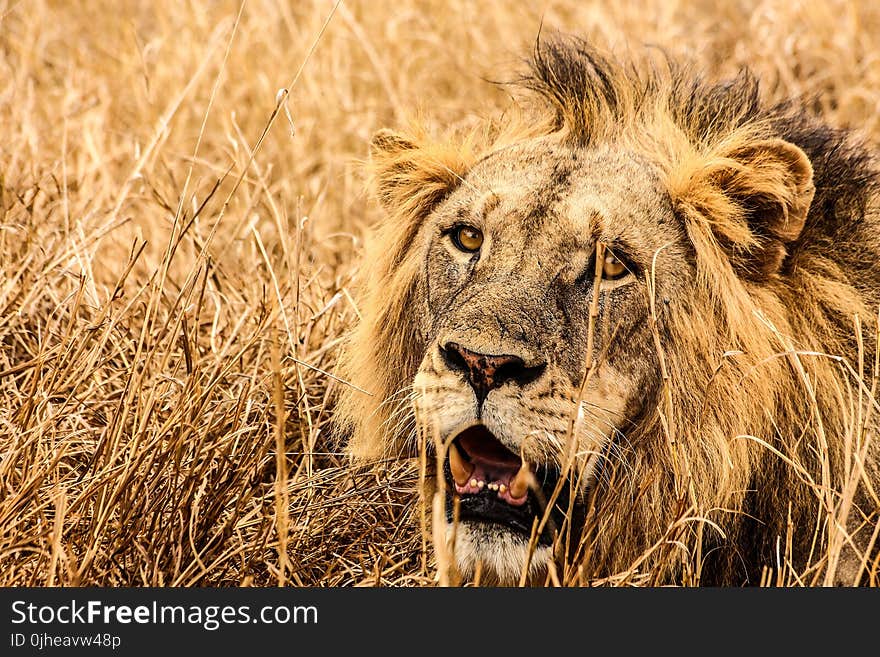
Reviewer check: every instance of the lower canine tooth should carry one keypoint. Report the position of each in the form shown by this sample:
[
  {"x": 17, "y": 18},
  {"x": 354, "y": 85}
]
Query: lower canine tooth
[
  {"x": 461, "y": 469},
  {"x": 519, "y": 485}
]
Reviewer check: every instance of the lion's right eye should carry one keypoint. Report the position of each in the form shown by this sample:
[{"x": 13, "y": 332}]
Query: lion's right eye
[
  {"x": 613, "y": 269},
  {"x": 467, "y": 238}
]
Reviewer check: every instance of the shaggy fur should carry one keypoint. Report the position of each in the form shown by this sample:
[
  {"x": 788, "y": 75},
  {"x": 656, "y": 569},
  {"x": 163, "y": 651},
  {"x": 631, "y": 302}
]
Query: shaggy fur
[{"x": 732, "y": 382}]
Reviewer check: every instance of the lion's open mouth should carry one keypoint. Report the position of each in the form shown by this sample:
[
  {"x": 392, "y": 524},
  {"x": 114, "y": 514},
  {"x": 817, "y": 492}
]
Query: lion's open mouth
[
  {"x": 479, "y": 462},
  {"x": 494, "y": 485}
]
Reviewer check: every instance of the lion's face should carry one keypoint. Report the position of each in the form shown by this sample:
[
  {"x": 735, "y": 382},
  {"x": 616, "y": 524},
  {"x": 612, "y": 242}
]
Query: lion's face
[{"x": 509, "y": 283}]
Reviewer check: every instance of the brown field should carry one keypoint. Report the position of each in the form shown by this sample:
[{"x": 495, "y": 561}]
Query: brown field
[{"x": 179, "y": 248}]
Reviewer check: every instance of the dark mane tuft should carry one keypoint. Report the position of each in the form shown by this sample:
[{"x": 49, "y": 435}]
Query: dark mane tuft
[{"x": 595, "y": 98}]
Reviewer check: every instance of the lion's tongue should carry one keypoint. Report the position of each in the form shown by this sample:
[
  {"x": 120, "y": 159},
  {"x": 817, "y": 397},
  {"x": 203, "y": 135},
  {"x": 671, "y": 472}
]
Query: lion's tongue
[{"x": 487, "y": 464}]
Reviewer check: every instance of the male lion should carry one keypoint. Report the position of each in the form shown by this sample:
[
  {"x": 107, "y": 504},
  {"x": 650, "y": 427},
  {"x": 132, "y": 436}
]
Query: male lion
[{"x": 636, "y": 331}]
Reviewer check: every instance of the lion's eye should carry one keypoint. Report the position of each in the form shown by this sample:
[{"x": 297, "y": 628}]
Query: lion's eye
[
  {"x": 467, "y": 238},
  {"x": 613, "y": 269}
]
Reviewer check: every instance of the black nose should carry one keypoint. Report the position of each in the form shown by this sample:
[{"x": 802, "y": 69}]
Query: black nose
[{"x": 486, "y": 372}]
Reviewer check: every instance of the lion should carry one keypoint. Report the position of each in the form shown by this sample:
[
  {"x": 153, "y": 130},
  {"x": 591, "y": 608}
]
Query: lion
[{"x": 633, "y": 327}]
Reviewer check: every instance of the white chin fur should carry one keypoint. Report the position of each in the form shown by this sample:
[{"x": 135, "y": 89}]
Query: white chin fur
[{"x": 502, "y": 553}]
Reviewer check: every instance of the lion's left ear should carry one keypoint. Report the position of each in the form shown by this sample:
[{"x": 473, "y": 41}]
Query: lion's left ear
[
  {"x": 756, "y": 196},
  {"x": 411, "y": 174}
]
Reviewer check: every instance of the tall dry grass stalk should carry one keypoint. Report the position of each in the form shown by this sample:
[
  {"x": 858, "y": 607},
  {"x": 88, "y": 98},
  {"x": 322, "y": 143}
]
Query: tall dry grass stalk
[{"x": 178, "y": 242}]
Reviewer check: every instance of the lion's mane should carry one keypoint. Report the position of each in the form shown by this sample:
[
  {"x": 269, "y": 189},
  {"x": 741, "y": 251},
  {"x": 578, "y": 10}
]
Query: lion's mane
[{"x": 760, "y": 429}]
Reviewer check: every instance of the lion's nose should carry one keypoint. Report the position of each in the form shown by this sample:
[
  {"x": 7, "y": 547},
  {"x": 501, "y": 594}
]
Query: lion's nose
[{"x": 485, "y": 372}]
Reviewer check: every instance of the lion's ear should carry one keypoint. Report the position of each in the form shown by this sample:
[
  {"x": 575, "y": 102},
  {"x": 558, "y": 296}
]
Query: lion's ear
[
  {"x": 412, "y": 174},
  {"x": 756, "y": 196},
  {"x": 387, "y": 142}
]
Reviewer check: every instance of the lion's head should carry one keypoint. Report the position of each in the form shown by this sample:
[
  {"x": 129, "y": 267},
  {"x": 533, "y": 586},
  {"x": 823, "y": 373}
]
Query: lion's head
[{"x": 599, "y": 314}]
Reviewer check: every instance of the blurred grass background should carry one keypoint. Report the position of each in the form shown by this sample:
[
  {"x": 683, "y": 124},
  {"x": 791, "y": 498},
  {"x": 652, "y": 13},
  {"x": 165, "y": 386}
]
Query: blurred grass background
[{"x": 175, "y": 284}]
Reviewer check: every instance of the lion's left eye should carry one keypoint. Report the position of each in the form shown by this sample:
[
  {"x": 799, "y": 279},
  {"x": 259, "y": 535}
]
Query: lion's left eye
[
  {"x": 612, "y": 268},
  {"x": 467, "y": 238}
]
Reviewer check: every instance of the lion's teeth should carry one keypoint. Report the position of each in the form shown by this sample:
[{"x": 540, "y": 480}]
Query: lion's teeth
[
  {"x": 493, "y": 486},
  {"x": 481, "y": 484},
  {"x": 502, "y": 488},
  {"x": 461, "y": 469},
  {"x": 473, "y": 483},
  {"x": 519, "y": 485}
]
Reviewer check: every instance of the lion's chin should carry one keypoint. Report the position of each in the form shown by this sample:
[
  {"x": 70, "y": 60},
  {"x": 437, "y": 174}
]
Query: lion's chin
[{"x": 498, "y": 554}]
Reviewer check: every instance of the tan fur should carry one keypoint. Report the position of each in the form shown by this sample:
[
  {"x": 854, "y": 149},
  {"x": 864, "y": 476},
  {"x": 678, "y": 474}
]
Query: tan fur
[{"x": 757, "y": 335}]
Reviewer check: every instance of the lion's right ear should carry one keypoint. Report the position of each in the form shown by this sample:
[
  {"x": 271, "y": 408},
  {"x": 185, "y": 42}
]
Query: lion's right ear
[{"x": 411, "y": 174}]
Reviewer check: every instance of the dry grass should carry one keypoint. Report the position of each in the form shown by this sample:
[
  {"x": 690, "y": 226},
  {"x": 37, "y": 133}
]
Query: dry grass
[{"x": 174, "y": 283}]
